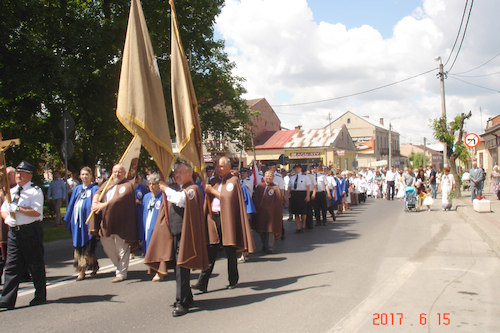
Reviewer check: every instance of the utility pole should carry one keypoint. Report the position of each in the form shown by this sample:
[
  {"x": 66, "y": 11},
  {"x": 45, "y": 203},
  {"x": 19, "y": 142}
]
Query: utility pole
[
  {"x": 330, "y": 120},
  {"x": 424, "y": 163},
  {"x": 442, "y": 76}
]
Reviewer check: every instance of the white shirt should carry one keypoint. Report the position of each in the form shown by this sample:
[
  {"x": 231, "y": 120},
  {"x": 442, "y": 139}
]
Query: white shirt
[
  {"x": 278, "y": 180},
  {"x": 312, "y": 179},
  {"x": 30, "y": 197},
  {"x": 331, "y": 182},
  {"x": 286, "y": 179},
  {"x": 302, "y": 183},
  {"x": 321, "y": 182},
  {"x": 178, "y": 198},
  {"x": 391, "y": 176}
]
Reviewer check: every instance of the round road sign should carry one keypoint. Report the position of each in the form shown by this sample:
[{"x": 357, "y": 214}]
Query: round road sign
[{"x": 471, "y": 140}]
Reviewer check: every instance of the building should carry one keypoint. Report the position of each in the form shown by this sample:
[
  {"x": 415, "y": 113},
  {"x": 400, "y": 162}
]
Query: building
[
  {"x": 371, "y": 139},
  {"x": 264, "y": 120},
  {"x": 307, "y": 147},
  {"x": 434, "y": 156},
  {"x": 486, "y": 153}
]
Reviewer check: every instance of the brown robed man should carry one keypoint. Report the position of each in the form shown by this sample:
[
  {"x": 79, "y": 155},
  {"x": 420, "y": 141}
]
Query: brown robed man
[
  {"x": 179, "y": 239},
  {"x": 268, "y": 221},
  {"x": 227, "y": 223},
  {"x": 115, "y": 221}
]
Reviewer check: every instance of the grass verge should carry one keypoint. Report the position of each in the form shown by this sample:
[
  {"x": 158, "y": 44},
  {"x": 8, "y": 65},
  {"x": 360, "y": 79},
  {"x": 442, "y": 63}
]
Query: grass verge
[{"x": 55, "y": 233}]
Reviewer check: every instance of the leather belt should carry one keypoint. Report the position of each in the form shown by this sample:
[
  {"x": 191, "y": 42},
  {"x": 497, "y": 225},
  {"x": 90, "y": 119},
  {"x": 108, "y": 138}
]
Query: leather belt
[{"x": 23, "y": 226}]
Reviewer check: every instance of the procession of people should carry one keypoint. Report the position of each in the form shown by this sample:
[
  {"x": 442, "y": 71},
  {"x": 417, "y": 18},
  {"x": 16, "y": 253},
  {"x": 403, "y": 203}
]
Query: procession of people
[{"x": 181, "y": 225}]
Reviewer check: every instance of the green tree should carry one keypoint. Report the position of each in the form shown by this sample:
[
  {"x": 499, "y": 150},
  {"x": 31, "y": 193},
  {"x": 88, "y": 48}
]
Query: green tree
[
  {"x": 66, "y": 55},
  {"x": 452, "y": 134},
  {"x": 417, "y": 160}
]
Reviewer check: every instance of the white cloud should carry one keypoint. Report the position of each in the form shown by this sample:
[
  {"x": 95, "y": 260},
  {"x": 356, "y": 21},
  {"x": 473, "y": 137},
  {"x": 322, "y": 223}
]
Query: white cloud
[{"x": 282, "y": 52}]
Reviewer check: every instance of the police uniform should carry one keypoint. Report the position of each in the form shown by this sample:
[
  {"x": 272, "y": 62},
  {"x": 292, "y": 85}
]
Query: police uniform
[
  {"x": 25, "y": 241},
  {"x": 320, "y": 200},
  {"x": 311, "y": 203},
  {"x": 207, "y": 169},
  {"x": 298, "y": 187}
]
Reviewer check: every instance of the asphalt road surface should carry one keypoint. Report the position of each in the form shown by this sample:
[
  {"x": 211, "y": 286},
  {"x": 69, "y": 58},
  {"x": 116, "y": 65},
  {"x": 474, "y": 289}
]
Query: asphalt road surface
[{"x": 376, "y": 269}]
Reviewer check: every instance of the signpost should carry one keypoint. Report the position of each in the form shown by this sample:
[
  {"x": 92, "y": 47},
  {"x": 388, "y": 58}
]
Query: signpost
[
  {"x": 66, "y": 125},
  {"x": 471, "y": 140}
]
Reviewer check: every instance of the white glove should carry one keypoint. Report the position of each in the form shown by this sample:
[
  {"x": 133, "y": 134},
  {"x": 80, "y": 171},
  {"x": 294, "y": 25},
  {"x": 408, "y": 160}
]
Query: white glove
[
  {"x": 10, "y": 221},
  {"x": 12, "y": 208}
]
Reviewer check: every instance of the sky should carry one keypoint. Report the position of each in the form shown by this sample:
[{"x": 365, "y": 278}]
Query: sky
[{"x": 296, "y": 53}]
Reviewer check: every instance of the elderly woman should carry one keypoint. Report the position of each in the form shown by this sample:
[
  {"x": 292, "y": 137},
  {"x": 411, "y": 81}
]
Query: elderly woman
[
  {"x": 152, "y": 203},
  {"x": 447, "y": 187},
  {"x": 78, "y": 210},
  {"x": 268, "y": 220},
  {"x": 495, "y": 176}
]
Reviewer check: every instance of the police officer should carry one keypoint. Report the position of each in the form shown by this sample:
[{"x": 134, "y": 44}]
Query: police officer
[
  {"x": 25, "y": 241},
  {"x": 310, "y": 205},
  {"x": 320, "y": 202},
  {"x": 299, "y": 187},
  {"x": 210, "y": 173}
]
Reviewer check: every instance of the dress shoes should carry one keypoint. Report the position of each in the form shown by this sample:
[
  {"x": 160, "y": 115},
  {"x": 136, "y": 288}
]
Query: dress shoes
[
  {"x": 158, "y": 277},
  {"x": 201, "y": 288},
  {"x": 232, "y": 286},
  {"x": 37, "y": 301},
  {"x": 117, "y": 279},
  {"x": 298, "y": 231},
  {"x": 6, "y": 306},
  {"x": 179, "y": 310}
]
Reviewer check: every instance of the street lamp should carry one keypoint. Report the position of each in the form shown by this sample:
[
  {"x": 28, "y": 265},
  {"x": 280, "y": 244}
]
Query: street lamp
[
  {"x": 442, "y": 76},
  {"x": 390, "y": 141}
]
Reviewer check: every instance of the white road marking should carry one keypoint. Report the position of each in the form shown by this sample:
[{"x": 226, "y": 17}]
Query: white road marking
[
  {"x": 364, "y": 310},
  {"x": 71, "y": 278}
]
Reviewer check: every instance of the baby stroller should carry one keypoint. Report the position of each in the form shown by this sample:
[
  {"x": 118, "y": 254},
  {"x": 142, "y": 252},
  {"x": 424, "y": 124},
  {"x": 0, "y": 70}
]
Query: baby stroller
[{"x": 410, "y": 199}]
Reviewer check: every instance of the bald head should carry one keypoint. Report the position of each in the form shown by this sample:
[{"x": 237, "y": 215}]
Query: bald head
[{"x": 118, "y": 173}]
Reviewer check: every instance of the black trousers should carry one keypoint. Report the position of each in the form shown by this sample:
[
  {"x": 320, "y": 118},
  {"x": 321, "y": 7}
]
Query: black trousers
[
  {"x": 232, "y": 260},
  {"x": 24, "y": 249},
  {"x": 390, "y": 190},
  {"x": 183, "y": 294},
  {"x": 320, "y": 206}
]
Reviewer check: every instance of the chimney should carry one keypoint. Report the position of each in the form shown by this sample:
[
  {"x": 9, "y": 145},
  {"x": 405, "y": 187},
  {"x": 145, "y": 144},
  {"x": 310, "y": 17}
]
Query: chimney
[
  {"x": 382, "y": 121},
  {"x": 367, "y": 117},
  {"x": 298, "y": 127}
]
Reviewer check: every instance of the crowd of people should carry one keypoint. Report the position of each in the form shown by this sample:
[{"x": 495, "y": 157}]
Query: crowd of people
[{"x": 182, "y": 223}]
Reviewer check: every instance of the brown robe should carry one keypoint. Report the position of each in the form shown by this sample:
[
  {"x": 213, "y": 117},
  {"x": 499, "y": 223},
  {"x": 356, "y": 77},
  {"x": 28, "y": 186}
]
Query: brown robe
[
  {"x": 269, "y": 206},
  {"x": 235, "y": 227},
  {"x": 193, "y": 252},
  {"x": 120, "y": 216}
]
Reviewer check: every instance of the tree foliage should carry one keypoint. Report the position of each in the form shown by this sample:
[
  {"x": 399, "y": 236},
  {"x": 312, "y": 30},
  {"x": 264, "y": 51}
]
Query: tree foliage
[
  {"x": 452, "y": 134},
  {"x": 417, "y": 160},
  {"x": 66, "y": 55}
]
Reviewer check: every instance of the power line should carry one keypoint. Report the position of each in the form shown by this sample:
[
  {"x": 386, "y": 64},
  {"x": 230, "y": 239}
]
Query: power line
[
  {"x": 491, "y": 74},
  {"x": 472, "y": 84},
  {"x": 358, "y": 93},
  {"x": 463, "y": 36},
  {"x": 478, "y": 66},
  {"x": 458, "y": 33}
]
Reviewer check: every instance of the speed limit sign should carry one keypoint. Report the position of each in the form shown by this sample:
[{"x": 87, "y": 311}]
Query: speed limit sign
[{"x": 471, "y": 140}]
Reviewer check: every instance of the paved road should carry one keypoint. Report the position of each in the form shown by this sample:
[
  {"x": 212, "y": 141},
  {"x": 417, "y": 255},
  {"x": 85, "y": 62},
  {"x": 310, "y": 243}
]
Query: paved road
[{"x": 375, "y": 265}]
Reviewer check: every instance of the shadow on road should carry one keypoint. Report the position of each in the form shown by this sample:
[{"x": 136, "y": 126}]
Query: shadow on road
[{"x": 86, "y": 299}]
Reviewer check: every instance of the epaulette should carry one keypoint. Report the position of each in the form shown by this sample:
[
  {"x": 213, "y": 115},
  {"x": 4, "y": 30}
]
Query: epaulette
[
  {"x": 278, "y": 175},
  {"x": 36, "y": 187}
]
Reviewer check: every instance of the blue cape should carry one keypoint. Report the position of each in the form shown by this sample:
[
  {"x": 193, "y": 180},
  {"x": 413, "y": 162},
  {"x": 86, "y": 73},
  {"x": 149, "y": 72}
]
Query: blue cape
[
  {"x": 140, "y": 192},
  {"x": 248, "y": 201},
  {"x": 80, "y": 234},
  {"x": 156, "y": 208}
]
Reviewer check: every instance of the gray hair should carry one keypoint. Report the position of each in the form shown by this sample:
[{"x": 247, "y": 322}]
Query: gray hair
[
  {"x": 269, "y": 173},
  {"x": 188, "y": 166},
  {"x": 226, "y": 160},
  {"x": 154, "y": 177}
]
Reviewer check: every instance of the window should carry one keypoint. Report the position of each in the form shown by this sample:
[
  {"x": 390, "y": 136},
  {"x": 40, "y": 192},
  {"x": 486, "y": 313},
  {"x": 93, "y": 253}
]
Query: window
[{"x": 348, "y": 120}]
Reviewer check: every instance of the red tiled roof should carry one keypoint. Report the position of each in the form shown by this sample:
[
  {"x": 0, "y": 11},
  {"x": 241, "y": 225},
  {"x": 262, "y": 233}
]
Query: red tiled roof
[{"x": 273, "y": 139}]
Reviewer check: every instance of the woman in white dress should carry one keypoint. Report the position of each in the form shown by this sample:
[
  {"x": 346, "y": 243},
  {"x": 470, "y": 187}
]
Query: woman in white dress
[{"x": 447, "y": 187}]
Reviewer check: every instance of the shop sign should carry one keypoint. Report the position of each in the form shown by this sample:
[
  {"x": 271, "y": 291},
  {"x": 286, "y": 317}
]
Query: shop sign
[
  {"x": 305, "y": 155},
  {"x": 339, "y": 152}
]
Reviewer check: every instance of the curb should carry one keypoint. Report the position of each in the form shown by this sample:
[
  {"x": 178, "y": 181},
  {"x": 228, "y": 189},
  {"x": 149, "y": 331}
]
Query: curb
[{"x": 487, "y": 231}]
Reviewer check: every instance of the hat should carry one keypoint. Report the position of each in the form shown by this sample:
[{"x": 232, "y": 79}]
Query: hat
[
  {"x": 209, "y": 168},
  {"x": 270, "y": 164},
  {"x": 243, "y": 169},
  {"x": 234, "y": 166},
  {"x": 314, "y": 166},
  {"x": 26, "y": 167},
  {"x": 297, "y": 166}
]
